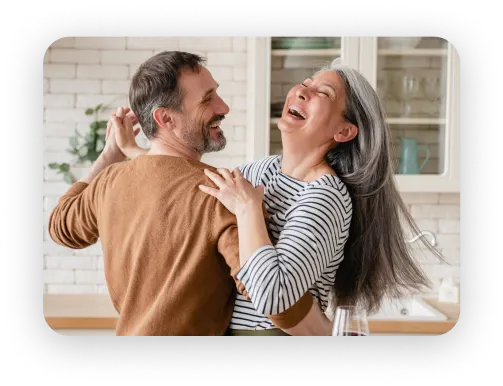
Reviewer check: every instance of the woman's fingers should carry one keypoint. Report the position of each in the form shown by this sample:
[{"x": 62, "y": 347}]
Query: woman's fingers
[
  {"x": 211, "y": 191},
  {"x": 219, "y": 181},
  {"x": 237, "y": 173},
  {"x": 226, "y": 174},
  {"x": 136, "y": 131},
  {"x": 133, "y": 117},
  {"x": 117, "y": 125},
  {"x": 128, "y": 124},
  {"x": 109, "y": 128}
]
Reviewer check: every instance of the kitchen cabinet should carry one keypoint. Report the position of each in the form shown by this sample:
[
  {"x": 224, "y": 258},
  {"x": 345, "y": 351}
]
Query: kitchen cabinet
[{"x": 417, "y": 80}]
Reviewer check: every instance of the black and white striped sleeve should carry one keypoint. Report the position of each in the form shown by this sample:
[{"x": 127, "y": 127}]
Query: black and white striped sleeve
[
  {"x": 313, "y": 238},
  {"x": 253, "y": 171}
]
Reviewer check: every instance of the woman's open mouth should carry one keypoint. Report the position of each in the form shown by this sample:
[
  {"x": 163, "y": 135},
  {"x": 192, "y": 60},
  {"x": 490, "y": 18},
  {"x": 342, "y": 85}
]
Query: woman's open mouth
[{"x": 296, "y": 113}]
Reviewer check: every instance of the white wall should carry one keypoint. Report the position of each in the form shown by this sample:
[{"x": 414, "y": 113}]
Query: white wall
[{"x": 83, "y": 72}]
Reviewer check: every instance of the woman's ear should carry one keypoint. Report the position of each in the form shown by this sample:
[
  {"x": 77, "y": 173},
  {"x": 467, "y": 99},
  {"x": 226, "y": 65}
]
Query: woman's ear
[
  {"x": 346, "y": 133},
  {"x": 164, "y": 118}
]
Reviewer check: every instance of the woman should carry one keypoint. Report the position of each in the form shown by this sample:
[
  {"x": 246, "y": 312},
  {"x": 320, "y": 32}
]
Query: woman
[{"x": 332, "y": 202}]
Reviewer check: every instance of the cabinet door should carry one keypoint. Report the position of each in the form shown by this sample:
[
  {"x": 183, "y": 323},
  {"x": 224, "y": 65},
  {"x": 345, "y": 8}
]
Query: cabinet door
[{"x": 417, "y": 79}]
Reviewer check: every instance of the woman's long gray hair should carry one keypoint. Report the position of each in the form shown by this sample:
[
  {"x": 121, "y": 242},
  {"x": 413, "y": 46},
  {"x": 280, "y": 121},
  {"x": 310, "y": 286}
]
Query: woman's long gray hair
[{"x": 377, "y": 261}]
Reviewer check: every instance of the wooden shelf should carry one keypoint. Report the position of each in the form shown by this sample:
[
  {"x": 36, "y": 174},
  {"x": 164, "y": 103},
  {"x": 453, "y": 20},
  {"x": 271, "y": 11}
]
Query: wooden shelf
[
  {"x": 415, "y": 121},
  {"x": 306, "y": 52},
  {"x": 381, "y": 52},
  {"x": 397, "y": 121},
  {"x": 412, "y": 52}
]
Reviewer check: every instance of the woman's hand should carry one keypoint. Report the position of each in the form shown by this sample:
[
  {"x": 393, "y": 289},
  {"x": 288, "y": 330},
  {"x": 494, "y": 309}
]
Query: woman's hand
[
  {"x": 234, "y": 191},
  {"x": 124, "y": 134},
  {"x": 112, "y": 150}
]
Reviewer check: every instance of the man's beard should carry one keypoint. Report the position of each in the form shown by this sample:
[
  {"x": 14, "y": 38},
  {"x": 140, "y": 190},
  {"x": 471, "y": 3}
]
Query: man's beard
[{"x": 197, "y": 136}]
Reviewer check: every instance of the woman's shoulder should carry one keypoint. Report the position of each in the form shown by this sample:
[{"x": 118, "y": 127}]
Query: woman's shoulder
[
  {"x": 328, "y": 193},
  {"x": 255, "y": 170},
  {"x": 330, "y": 182}
]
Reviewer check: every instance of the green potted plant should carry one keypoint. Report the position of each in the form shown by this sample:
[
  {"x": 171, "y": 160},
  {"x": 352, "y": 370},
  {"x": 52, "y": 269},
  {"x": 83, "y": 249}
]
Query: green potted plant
[{"x": 85, "y": 148}]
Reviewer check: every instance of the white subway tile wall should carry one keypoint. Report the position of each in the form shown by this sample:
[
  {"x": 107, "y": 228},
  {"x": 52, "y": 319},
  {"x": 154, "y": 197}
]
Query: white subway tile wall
[{"x": 83, "y": 72}]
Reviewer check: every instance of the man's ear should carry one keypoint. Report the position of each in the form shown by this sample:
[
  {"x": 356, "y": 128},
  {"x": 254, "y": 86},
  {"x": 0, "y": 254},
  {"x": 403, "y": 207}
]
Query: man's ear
[
  {"x": 164, "y": 118},
  {"x": 346, "y": 133}
]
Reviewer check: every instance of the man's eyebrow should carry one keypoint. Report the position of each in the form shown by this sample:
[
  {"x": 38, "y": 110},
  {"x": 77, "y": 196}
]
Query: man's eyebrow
[{"x": 209, "y": 92}]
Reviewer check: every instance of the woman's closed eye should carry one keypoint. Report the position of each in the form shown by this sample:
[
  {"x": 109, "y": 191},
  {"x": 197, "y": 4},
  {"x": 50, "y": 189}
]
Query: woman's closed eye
[{"x": 322, "y": 92}]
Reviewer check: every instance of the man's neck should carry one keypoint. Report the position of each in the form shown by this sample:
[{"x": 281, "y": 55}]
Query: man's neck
[{"x": 162, "y": 146}]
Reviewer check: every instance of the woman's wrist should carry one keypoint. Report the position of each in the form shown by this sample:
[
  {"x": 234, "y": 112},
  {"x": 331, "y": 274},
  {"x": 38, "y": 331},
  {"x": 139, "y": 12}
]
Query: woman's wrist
[{"x": 247, "y": 208}]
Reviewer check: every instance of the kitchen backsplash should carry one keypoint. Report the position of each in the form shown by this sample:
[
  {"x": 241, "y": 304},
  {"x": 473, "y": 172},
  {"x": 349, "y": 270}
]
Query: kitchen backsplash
[{"x": 83, "y": 72}]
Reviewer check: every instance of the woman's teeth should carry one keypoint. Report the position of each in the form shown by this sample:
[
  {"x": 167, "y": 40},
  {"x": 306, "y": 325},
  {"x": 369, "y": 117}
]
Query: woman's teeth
[{"x": 296, "y": 112}]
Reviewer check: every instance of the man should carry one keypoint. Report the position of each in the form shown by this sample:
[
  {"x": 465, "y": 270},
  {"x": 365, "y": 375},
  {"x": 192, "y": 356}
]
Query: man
[{"x": 171, "y": 252}]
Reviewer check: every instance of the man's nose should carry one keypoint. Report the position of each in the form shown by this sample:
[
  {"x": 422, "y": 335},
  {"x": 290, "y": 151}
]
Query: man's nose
[{"x": 222, "y": 108}]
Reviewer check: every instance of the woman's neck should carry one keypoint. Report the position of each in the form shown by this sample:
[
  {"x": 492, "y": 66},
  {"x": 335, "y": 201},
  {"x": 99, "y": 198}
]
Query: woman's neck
[{"x": 303, "y": 164}]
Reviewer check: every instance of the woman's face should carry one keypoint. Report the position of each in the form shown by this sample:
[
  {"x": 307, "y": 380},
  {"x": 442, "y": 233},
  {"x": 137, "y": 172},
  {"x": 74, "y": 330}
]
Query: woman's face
[{"x": 313, "y": 111}]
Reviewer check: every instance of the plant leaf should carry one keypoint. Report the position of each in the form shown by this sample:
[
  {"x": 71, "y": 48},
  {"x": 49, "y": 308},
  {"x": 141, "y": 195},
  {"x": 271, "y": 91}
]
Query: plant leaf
[
  {"x": 102, "y": 124},
  {"x": 73, "y": 141},
  {"x": 94, "y": 126},
  {"x": 68, "y": 178},
  {"x": 99, "y": 145},
  {"x": 89, "y": 111},
  {"x": 98, "y": 108},
  {"x": 64, "y": 167},
  {"x": 53, "y": 165},
  {"x": 83, "y": 151}
]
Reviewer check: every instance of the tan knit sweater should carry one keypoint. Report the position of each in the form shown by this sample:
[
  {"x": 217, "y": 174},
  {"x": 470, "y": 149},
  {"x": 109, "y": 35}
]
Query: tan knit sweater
[{"x": 169, "y": 249}]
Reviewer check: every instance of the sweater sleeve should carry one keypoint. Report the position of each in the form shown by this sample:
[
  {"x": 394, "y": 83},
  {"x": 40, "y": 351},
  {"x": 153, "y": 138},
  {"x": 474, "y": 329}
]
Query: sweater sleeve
[
  {"x": 73, "y": 221},
  {"x": 311, "y": 241}
]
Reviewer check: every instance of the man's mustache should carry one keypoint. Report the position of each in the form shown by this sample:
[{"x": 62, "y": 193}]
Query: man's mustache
[{"x": 216, "y": 118}]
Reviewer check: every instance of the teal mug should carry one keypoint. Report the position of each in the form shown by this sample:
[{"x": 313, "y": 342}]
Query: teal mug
[{"x": 409, "y": 151}]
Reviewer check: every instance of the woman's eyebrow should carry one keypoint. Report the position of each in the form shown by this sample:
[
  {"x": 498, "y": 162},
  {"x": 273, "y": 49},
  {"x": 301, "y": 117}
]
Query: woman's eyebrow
[
  {"x": 325, "y": 84},
  {"x": 329, "y": 85}
]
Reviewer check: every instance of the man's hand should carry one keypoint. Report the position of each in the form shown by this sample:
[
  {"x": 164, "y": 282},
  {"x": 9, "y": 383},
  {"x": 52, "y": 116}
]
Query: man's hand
[
  {"x": 122, "y": 127},
  {"x": 111, "y": 152}
]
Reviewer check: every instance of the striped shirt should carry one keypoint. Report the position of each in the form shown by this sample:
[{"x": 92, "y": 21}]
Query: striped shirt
[{"x": 309, "y": 225}]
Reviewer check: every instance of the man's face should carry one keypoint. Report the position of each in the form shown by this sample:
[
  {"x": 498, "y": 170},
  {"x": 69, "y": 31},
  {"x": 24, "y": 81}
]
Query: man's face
[{"x": 203, "y": 110}]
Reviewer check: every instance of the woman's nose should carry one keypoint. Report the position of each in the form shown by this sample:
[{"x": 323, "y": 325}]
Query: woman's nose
[{"x": 302, "y": 93}]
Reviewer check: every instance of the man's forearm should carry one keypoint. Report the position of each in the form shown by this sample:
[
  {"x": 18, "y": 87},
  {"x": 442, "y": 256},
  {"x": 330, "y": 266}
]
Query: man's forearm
[
  {"x": 315, "y": 323},
  {"x": 103, "y": 161}
]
